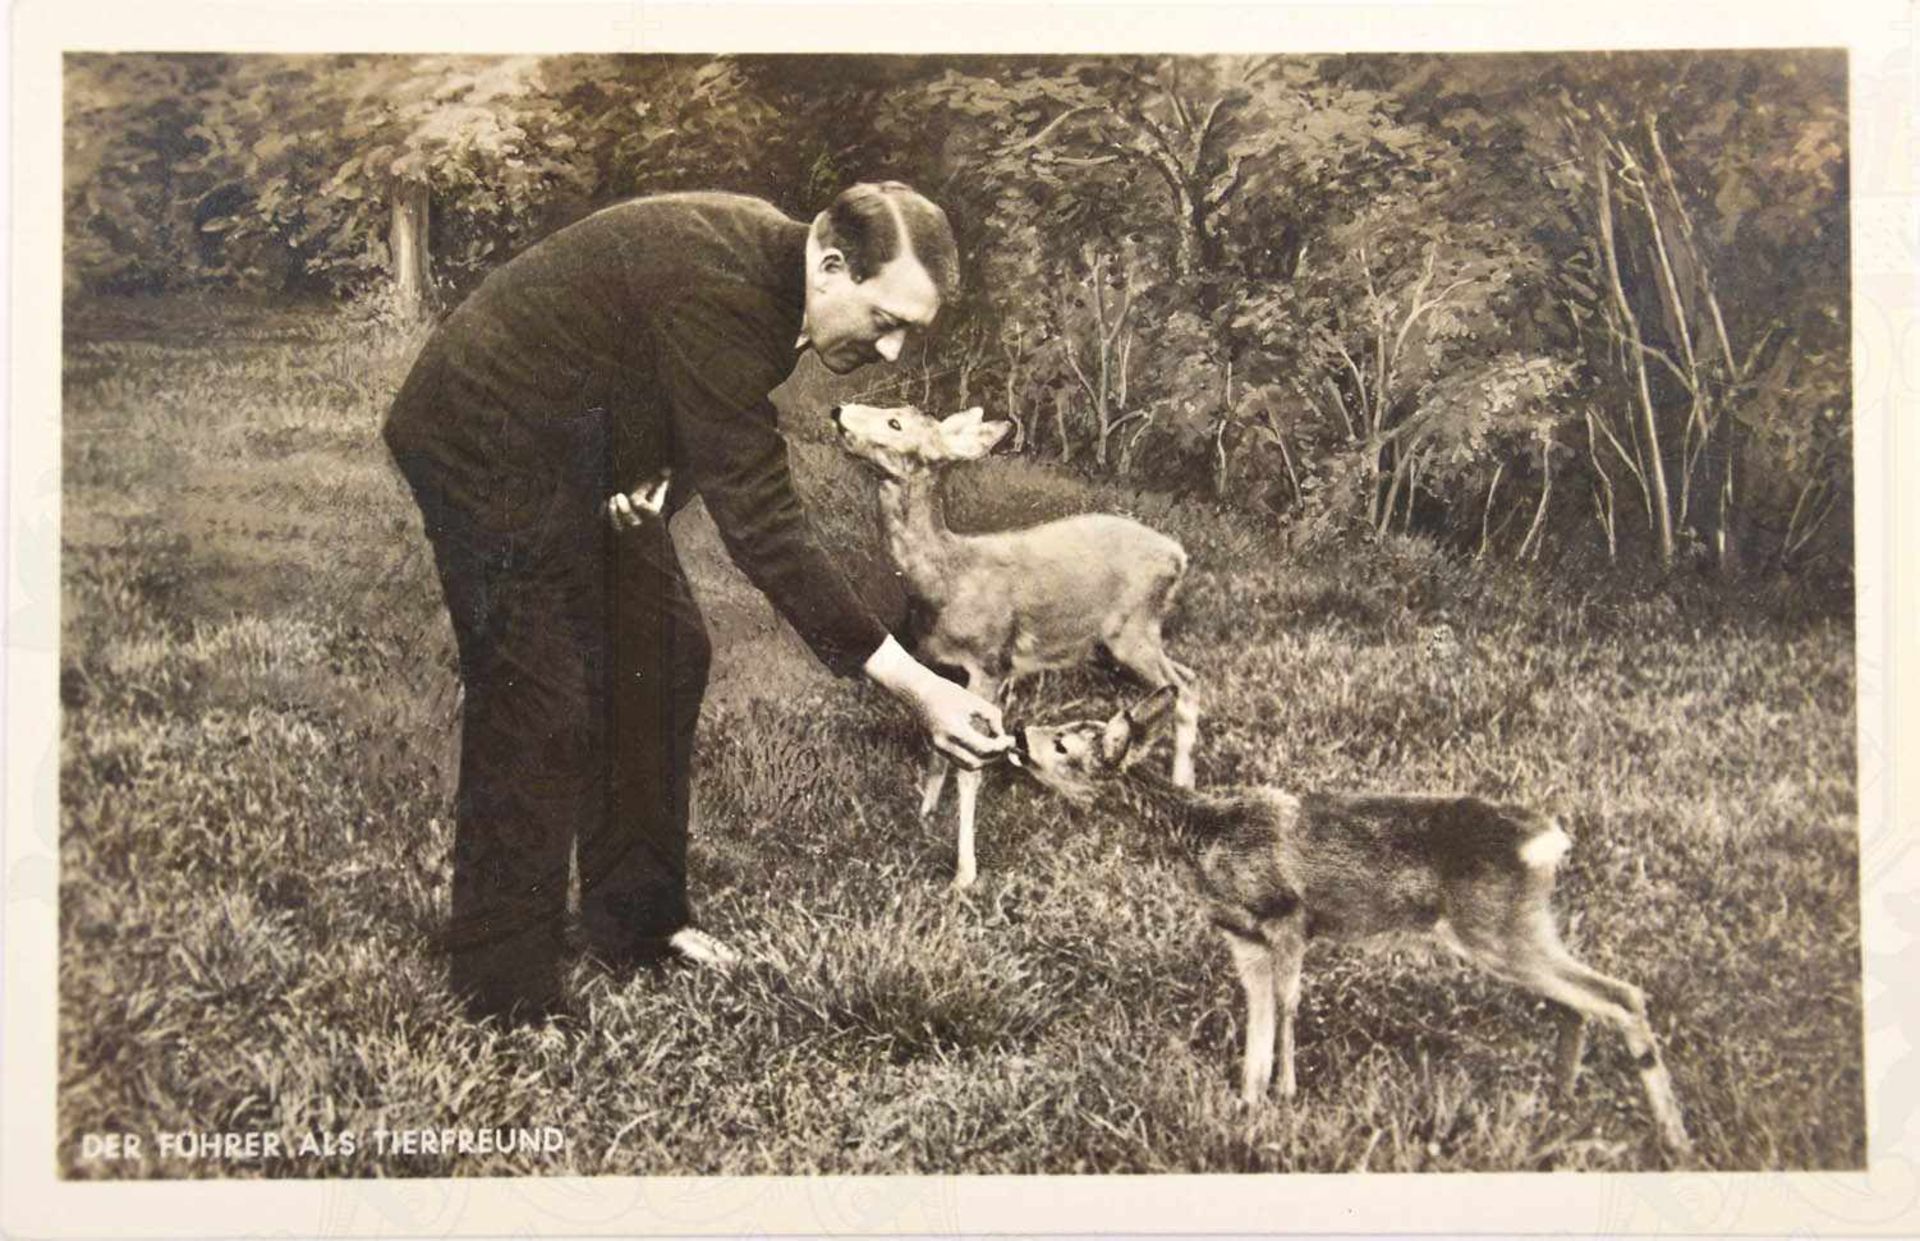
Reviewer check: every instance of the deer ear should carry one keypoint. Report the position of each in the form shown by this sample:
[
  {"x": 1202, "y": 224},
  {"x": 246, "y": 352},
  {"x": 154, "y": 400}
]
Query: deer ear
[
  {"x": 1153, "y": 708},
  {"x": 966, "y": 438},
  {"x": 1116, "y": 740}
]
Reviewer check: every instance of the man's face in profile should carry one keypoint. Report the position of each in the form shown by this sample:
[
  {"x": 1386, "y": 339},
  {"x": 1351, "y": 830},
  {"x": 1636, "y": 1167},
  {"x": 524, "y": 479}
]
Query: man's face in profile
[{"x": 853, "y": 322}]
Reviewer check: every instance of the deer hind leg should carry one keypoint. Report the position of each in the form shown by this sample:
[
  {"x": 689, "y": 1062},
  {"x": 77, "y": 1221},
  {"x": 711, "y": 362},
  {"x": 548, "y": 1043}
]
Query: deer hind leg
[
  {"x": 1527, "y": 952},
  {"x": 1186, "y": 724},
  {"x": 1572, "y": 1045},
  {"x": 1624, "y": 1006}
]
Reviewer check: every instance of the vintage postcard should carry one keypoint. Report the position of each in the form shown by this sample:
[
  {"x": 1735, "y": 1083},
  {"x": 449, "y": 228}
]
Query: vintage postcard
[{"x": 897, "y": 619}]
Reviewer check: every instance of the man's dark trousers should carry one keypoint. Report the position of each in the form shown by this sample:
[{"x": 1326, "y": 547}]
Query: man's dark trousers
[{"x": 583, "y": 659}]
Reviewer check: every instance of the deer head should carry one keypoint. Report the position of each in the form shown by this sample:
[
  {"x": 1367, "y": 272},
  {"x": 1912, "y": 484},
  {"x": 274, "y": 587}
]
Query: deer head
[
  {"x": 1074, "y": 759},
  {"x": 902, "y": 442}
]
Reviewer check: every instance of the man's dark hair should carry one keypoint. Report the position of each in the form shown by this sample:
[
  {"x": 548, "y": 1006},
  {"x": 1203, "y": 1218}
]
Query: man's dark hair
[{"x": 870, "y": 221}]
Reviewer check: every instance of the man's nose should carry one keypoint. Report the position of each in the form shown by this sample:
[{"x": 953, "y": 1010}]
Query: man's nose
[{"x": 889, "y": 346}]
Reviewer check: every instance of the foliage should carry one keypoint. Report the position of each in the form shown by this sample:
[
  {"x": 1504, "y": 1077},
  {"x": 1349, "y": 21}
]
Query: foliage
[
  {"x": 1718, "y": 265},
  {"x": 1534, "y": 305},
  {"x": 129, "y": 168}
]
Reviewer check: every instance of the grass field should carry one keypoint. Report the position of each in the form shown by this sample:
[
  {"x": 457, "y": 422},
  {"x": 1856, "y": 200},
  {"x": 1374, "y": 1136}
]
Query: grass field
[{"x": 258, "y": 731}]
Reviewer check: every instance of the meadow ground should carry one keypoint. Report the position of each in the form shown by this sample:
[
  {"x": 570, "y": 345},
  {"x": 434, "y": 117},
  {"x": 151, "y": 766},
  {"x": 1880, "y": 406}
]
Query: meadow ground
[{"x": 257, "y": 735}]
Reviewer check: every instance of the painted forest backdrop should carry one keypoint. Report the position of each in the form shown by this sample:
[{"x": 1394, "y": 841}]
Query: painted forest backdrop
[{"x": 1590, "y": 311}]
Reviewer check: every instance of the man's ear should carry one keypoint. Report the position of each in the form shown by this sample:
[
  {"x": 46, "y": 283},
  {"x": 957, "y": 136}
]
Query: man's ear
[{"x": 1116, "y": 740}]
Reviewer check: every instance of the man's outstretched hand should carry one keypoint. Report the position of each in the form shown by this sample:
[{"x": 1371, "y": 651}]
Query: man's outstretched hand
[{"x": 963, "y": 726}]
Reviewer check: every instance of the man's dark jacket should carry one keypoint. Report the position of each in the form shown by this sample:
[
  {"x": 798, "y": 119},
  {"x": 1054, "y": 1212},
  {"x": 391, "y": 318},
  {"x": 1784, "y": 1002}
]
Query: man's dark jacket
[{"x": 647, "y": 335}]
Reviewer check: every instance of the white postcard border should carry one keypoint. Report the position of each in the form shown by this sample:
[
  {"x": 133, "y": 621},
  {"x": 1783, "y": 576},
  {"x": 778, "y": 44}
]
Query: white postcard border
[{"x": 1884, "y": 1199}]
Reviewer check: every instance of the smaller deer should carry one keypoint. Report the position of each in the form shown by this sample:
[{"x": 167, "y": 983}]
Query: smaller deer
[
  {"x": 1001, "y": 606},
  {"x": 1277, "y": 870}
]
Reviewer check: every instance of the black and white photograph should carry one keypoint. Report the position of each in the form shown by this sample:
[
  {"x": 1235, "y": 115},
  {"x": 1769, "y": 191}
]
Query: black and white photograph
[{"x": 632, "y": 614}]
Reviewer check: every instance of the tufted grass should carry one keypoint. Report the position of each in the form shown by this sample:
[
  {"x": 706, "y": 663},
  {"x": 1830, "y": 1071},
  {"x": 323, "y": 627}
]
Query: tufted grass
[{"x": 256, "y": 772}]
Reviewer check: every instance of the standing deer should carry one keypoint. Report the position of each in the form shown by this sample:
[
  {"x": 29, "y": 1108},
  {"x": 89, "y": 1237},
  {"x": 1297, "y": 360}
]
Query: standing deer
[
  {"x": 1001, "y": 606},
  {"x": 1276, "y": 870}
]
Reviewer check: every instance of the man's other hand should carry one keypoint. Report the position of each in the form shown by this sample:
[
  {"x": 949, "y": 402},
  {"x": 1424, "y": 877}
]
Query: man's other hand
[{"x": 629, "y": 510}]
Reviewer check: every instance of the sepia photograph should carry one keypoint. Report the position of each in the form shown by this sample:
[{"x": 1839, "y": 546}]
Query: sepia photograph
[{"x": 685, "y": 614}]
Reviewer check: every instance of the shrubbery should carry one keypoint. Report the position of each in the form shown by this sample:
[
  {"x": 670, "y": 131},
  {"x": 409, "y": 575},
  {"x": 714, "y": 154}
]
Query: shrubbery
[{"x": 1538, "y": 307}]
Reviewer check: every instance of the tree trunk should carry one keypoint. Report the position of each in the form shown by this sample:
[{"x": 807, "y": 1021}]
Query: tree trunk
[
  {"x": 1222, "y": 460},
  {"x": 1133, "y": 442},
  {"x": 407, "y": 243},
  {"x": 1486, "y": 514},
  {"x": 1656, "y": 471},
  {"x": 1106, "y": 387},
  {"x": 1538, "y": 529},
  {"x": 1186, "y": 249},
  {"x": 1011, "y": 350},
  {"x": 1726, "y": 533},
  {"x": 1604, "y": 508},
  {"x": 1293, "y": 476}
]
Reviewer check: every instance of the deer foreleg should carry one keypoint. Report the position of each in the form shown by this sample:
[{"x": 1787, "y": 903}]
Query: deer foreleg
[
  {"x": 1289, "y": 941},
  {"x": 933, "y": 783},
  {"x": 968, "y": 784},
  {"x": 1254, "y": 962}
]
